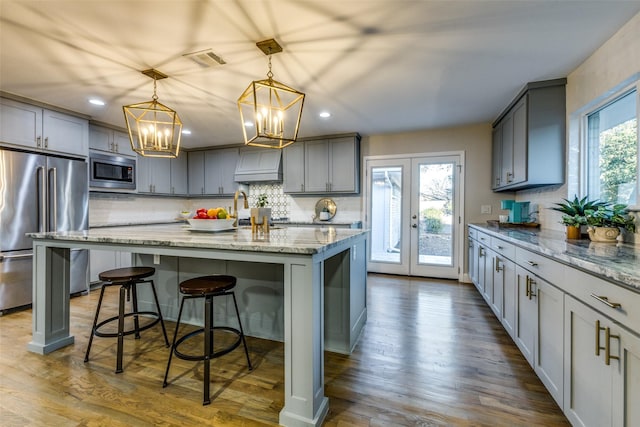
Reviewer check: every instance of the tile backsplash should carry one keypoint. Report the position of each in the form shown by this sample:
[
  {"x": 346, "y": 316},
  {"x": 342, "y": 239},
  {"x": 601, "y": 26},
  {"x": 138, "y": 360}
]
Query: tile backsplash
[{"x": 120, "y": 209}]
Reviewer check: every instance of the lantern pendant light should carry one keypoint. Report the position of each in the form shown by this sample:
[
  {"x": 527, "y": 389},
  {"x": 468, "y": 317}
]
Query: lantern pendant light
[
  {"x": 154, "y": 129},
  {"x": 269, "y": 110}
]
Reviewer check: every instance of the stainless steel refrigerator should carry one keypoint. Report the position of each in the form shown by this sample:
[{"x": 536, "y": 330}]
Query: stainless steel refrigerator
[{"x": 38, "y": 193}]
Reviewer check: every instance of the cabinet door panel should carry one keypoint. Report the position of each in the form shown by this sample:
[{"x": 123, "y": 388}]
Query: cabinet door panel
[
  {"x": 122, "y": 144},
  {"x": 509, "y": 297},
  {"x": 229, "y": 160},
  {"x": 343, "y": 164},
  {"x": 66, "y": 134},
  {"x": 626, "y": 411},
  {"x": 196, "y": 172},
  {"x": 293, "y": 168},
  {"x": 507, "y": 150},
  {"x": 520, "y": 141},
  {"x": 550, "y": 337},
  {"x": 526, "y": 320},
  {"x": 496, "y": 157},
  {"x": 316, "y": 166},
  {"x": 588, "y": 383},
  {"x": 179, "y": 175},
  {"x": 100, "y": 138},
  {"x": 20, "y": 124}
]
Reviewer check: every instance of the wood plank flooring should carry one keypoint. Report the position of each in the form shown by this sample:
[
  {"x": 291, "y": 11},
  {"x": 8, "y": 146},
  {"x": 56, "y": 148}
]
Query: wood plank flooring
[{"x": 431, "y": 354}]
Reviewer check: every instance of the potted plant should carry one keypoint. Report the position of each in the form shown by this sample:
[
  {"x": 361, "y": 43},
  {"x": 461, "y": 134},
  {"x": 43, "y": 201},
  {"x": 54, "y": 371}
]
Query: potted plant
[
  {"x": 261, "y": 211},
  {"x": 604, "y": 222},
  {"x": 574, "y": 216}
]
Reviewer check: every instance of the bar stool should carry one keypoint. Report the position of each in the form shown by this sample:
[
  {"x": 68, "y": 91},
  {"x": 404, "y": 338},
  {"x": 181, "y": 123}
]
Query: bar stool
[
  {"x": 127, "y": 278},
  {"x": 207, "y": 287}
]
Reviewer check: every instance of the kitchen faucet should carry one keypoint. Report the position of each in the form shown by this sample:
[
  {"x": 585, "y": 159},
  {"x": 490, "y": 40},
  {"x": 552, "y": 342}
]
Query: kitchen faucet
[{"x": 235, "y": 205}]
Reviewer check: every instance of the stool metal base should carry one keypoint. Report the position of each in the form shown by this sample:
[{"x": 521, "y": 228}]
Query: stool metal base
[
  {"x": 127, "y": 289},
  {"x": 209, "y": 352}
]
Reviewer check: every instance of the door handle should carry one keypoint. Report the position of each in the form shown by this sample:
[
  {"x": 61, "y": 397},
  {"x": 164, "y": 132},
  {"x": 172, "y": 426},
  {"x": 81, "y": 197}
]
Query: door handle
[
  {"x": 54, "y": 173},
  {"x": 41, "y": 196},
  {"x": 8, "y": 257},
  {"x": 414, "y": 225},
  {"x": 414, "y": 217}
]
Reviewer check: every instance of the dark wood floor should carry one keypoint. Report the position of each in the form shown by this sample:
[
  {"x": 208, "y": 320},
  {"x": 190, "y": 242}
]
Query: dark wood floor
[{"x": 432, "y": 354}]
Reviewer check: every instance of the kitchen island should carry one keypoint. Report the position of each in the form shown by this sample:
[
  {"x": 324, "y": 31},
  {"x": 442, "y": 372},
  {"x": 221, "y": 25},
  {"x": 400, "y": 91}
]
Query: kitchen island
[{"x": 303, "y": 253}]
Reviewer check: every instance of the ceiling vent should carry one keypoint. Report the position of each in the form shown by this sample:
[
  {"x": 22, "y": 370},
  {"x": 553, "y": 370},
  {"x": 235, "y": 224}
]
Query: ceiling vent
[{"x": 205, "y": 58}]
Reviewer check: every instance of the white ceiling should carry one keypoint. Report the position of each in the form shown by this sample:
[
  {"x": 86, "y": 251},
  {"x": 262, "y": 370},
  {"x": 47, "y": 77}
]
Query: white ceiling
[{"x": 377, "y": 65}]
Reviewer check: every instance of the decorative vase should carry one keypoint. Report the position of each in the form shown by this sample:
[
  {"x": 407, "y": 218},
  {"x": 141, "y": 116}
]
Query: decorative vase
[
  {"x": 573, "y": 232},
  {"x": 260, "y": 214},
  {"x": 603, "y": 234}
]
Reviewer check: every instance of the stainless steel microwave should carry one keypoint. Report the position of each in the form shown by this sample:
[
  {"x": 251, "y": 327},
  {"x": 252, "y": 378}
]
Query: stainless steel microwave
[{"x": 112, "y": 172}]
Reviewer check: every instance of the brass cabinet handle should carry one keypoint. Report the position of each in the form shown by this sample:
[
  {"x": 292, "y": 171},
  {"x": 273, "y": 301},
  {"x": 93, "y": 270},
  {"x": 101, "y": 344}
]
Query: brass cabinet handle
[
  {"x": 605, "y": 300},
  {"x": 528, "y": 287},
  {"x": 497, "y": 264},
  {"x": 530, "y": 293},
  {"x": 39, "y": 141},
  {"x": 480, "y": 251},
  {"x": 607, "y": 344},
  {"x": 46, "y": 142},
  {"x": 532, "y": 264},
  {"x": 598, "y": 329}
]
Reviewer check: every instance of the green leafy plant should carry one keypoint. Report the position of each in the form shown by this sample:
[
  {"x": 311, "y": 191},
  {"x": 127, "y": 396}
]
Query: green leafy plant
[
  {"x": 433, "y": 220},
  {"x": 616, "y": 216},
  {"x": 574, "y": 211},
  {"x": 262, "y": 201}
]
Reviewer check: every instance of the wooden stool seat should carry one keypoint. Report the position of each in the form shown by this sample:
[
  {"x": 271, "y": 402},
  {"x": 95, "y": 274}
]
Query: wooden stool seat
[
  {"x": 127, "y": 278},
  {"x": 207, "y": 287},
  {"x": 126, "y": 274}
]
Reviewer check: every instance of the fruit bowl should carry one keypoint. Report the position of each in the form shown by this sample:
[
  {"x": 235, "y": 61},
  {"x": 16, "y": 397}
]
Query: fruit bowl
[{"x": 210, "y": 224}]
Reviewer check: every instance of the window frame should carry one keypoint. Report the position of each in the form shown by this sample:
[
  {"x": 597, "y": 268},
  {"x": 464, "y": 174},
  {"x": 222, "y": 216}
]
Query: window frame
[{"x": 619, "y": 92}]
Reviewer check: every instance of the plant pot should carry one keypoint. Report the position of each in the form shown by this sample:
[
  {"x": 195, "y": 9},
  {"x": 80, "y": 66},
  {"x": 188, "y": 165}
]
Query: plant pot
[
  {"x": 573, "y": 232},
  {"x": 604, "y": 234},
  {"x": 260, "y": 214}
]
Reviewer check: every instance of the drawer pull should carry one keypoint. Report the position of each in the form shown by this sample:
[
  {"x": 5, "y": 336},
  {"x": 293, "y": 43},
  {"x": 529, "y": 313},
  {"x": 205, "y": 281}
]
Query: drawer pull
[
  {"x": 532, "y": 264},
  {"x": 499, "y": 247},
  {"x": 605, "y": 300},
  {"x": 607, "y": 344}
]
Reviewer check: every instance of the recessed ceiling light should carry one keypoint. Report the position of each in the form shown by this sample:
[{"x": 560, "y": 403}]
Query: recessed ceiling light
[
  {"x": 325, "y": 114},
  {"x": 96, "y": 101},
  {"x": 186, "y": 132}
]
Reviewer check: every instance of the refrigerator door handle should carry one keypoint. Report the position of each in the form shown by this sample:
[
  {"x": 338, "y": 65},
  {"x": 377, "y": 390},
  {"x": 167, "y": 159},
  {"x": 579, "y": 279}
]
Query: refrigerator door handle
[
  {"x": 7, "y": 257},
  {"x": 41, "y": 199},
  {"x": 53, "y": 196}
]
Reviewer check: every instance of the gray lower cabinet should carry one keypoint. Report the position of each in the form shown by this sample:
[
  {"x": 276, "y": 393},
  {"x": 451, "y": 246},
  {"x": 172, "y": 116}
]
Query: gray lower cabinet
[
  {"x": 100, "y": 261},
  {"x": 323, "y": 165},
  {"x": 580, "y": 333},
  {"x": 602, "y": 369},
  {"x": 529, "y": 138}
]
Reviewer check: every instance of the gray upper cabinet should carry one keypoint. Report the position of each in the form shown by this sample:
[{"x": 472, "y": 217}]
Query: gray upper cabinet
[
  {"x": 529, "y": 138},
  {"x": 32, "y": 127},
  {"x": 110, "y": 140},
  {"x": 293, "y": 168},
  {"x": 211, "y": 172},
  {"x": 179, "y": 175},
  {"x": 323, "y": 165},
  {"x": 154, "y": 175}
]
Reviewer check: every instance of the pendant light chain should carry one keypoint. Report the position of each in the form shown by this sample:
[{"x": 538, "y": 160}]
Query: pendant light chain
[
  {"x": 155, "y": 96},
  {"x": 270, "y": 73}
]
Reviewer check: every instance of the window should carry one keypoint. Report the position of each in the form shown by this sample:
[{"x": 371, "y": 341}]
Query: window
[{"x": 611, "y": 160}]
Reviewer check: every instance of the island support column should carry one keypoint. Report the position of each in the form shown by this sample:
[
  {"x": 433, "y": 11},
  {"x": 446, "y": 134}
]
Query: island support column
[
  {"x": 51, "y": 277},
  {"x": 304, "y": 401}
]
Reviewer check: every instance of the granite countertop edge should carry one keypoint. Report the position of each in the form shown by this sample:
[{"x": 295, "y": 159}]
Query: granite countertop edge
[
  {"x": 617, "y": 263},
  {"x": 304, "y": 241}
]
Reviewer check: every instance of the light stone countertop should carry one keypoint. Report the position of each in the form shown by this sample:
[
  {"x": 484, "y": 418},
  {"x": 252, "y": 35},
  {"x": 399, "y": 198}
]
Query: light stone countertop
[
  {"x": 619, "y": 263},
  {"x": 298, "y": 240}
]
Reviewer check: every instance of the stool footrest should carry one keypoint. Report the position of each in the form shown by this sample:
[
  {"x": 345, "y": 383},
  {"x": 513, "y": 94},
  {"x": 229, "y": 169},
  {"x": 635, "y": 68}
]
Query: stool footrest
[
  {"x": 130, "y": 331},
  {"x": 215, "y": 354}
]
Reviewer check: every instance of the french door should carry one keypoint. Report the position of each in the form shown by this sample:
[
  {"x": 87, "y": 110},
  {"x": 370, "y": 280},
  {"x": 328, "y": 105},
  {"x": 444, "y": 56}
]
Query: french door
[{"x": 414, "y": 210}]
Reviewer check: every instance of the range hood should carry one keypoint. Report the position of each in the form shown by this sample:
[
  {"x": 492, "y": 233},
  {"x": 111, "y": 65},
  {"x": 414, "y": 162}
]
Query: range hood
[{"x": 259, "y": 165}]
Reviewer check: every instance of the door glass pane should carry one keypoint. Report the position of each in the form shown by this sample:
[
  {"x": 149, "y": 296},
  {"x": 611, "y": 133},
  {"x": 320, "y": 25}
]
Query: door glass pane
[
  {"x": 435, "y": 243},
  {"x": 386, "y": 205}
]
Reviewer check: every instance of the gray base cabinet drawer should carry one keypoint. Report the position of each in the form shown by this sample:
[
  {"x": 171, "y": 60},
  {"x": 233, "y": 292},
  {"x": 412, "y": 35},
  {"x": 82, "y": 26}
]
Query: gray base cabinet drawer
[{"x": 541, "y": 266}]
